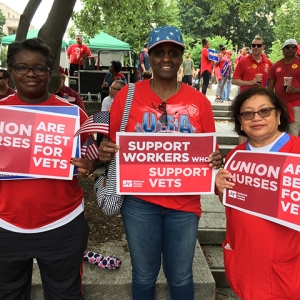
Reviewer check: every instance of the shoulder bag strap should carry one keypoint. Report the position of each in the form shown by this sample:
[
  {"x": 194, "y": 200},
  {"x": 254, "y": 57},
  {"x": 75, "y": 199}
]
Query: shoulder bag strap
[{"x": 131, "y": 87}]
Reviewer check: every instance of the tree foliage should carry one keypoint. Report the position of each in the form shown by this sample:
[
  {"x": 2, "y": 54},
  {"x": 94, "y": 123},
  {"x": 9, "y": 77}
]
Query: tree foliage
[
  {"x": 126, "y": 20},
  {"x": 229, "y": 25},
  {"x": 2, "y": 22},
  {"x": 52, "y": 31}
]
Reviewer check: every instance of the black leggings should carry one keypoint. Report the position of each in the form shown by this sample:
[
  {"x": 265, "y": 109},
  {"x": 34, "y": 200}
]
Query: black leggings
[{"x": 206, "y": 77}]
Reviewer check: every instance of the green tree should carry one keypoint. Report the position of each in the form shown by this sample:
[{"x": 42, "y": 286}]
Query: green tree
[
  {"x": 128, "y": 21},
  {"x": 51, "y": 32},
  {"x": 2, "y": 22},
  {"x": 240, "y": 32}
]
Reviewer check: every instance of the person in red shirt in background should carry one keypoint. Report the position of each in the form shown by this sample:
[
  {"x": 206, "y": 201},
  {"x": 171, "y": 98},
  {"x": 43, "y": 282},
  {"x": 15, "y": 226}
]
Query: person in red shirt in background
[
  {"x": 206, "y": 66},
  {"x": 245, "y": 74},
  {"x": 289, "y": 66},
  {"x": 219, "y": 72},
  {"x": 252, "y": 69},
  {"x": 227, "y": 86},
  {"x": 242, "y": 53},
  {"x": 75, "y": 53},
  {"x": 67, "y": 93}
]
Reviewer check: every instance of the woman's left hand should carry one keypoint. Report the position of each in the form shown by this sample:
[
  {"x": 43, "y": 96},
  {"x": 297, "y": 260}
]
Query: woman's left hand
[
  {"x": 84, "y": 166},
  {"x": 216, "y": 159}
]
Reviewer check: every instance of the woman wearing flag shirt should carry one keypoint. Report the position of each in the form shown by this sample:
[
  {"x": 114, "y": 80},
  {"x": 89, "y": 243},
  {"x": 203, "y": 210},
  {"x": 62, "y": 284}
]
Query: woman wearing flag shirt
[
  {"x": 222, "y": 71},
  {"x": 41, "y": 218},
  {"x": 262, "y": 258},
  {"x": 162, "y": 226}
]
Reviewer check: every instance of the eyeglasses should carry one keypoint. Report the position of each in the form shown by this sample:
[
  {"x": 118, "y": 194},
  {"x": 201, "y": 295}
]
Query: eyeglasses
[
  {"x": 38, "y": 70},
  {"x": 290, "y": 47},
  {"x": 113, "y": 88},
  {"x": 162, "y": 108},
  {"x": 256, "y": 45},
  {"x": 263, "y": 113}
]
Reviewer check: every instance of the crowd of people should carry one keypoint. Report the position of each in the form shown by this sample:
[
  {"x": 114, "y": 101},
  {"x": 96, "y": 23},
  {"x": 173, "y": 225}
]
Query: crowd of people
[{"x": 265, "y": 114}]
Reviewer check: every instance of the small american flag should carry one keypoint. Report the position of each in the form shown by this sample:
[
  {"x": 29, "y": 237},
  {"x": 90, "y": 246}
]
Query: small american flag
[
  {"x": 89, "y": 150},
  {"x": 98, "y": 122},
  {"x": 225, "y": 70}
]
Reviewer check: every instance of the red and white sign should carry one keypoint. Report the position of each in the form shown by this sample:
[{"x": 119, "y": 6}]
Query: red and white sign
[
  {"x": 267, "y": 185},
  {"x": 165, "y": 163},
  {"x": 37, "y": 143}
]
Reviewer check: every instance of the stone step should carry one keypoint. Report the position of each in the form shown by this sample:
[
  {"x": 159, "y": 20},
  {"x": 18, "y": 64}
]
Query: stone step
[
  {"x": 99, "y": 284},
  {"x": 224, "y": 293},
  {"x": 212, "y": 225},
  {"x": 228, "y": 139},
  {"x": 221, "y": 113},
  {"x": 214, "y": 257}
]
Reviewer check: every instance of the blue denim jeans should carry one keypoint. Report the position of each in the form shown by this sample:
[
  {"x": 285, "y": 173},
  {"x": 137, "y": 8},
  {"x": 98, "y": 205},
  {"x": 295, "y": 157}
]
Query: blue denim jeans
[{"x": 155, "y": 233}]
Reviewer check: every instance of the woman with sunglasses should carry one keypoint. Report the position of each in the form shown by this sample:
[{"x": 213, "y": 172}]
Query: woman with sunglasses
[
  {"x": 252, "y": 69},
  {"x": 41, "y": 218},
  {"x": 262, "y": 258},
  {"x": 162, "y": 226}
]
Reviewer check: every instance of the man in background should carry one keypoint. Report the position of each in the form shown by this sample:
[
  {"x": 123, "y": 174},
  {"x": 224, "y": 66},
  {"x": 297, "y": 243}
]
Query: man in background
[
  {"x": 67, "y": 93},
  {"x": 116, "y": 86},
  {"x": 188, "y": 70},
  {"x": 75, "y": 54},
  {"x": 5, "y": 90},
  {"x": 143, "y": 61},
  {"x": 284, "y": 79}
]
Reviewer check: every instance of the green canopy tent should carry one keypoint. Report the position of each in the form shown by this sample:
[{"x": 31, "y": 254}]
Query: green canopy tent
[
  {"x": 103, "y": 41},
  {"x": 6, "y": 40}
]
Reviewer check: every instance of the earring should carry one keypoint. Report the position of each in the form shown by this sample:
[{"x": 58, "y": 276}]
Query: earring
[
  {"x": 279, "y": 122},
  {"x": 242, "y": 128}
]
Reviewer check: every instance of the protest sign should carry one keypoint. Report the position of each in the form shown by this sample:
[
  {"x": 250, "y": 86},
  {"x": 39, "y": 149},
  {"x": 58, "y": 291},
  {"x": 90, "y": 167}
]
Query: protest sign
[
  {"x": 38, "y": 143},
  {"x": 166, "y": 163},
  {"x": 267, "y": 185}
]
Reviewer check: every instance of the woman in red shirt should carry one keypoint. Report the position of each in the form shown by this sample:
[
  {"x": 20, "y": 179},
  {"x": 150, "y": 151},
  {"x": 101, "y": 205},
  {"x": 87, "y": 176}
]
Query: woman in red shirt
[{"x": 206, "y": 66}]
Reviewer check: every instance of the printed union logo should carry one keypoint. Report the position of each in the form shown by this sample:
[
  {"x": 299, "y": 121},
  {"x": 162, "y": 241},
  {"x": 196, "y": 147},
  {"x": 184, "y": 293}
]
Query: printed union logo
[
  {"x": 127, "y": 183},
  {"x": 232, "y": 194}
]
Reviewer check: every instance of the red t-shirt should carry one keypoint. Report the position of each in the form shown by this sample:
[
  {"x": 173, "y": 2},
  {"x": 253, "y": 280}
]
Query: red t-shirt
[
  {"x": 248, "y": 67},
  {"x": 279, "y": 70},
  {"x": 206, "y": 64},
  {"x": 77, "y": 53},
  {"x": 188, "y": 111},
  {"x": 34, "y": 203},
  {"x": 264, "y": 261}
]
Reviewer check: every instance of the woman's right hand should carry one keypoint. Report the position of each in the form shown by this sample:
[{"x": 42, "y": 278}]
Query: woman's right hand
[
  {"x": 107, "y": 150},
  {"x": 222, "y": 182}
]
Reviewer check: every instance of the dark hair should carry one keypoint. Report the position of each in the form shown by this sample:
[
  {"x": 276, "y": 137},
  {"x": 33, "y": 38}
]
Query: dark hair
[
  {"x": 35, "y": 44},
  {"x": 204, "y": 41},
  {"x": 146, "y": 75},
  {"x": 116, "y": 65},
  {"x": 145, "y": 45},
  {"x": 222, "y": 47},
  {"x": 257, "y": 90},
  {"x": 5, "y": 74}
]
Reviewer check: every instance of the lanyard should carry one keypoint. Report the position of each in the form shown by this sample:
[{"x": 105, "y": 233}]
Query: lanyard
[{"x": 278, "y": 145}]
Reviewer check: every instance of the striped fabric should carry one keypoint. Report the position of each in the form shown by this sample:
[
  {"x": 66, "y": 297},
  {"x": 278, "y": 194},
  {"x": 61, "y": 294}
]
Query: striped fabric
[{"x": 106, "y": 185}]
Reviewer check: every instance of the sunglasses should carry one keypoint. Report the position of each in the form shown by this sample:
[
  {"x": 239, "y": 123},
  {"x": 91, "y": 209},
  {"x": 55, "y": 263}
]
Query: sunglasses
[
  {"x": 256, "y": 45},
  {"x": 115, "y": 89},
  {"x": 290, "y": 47},
  {"x": 263, "y": 113},
  {"x": 162, "y": 108}
]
